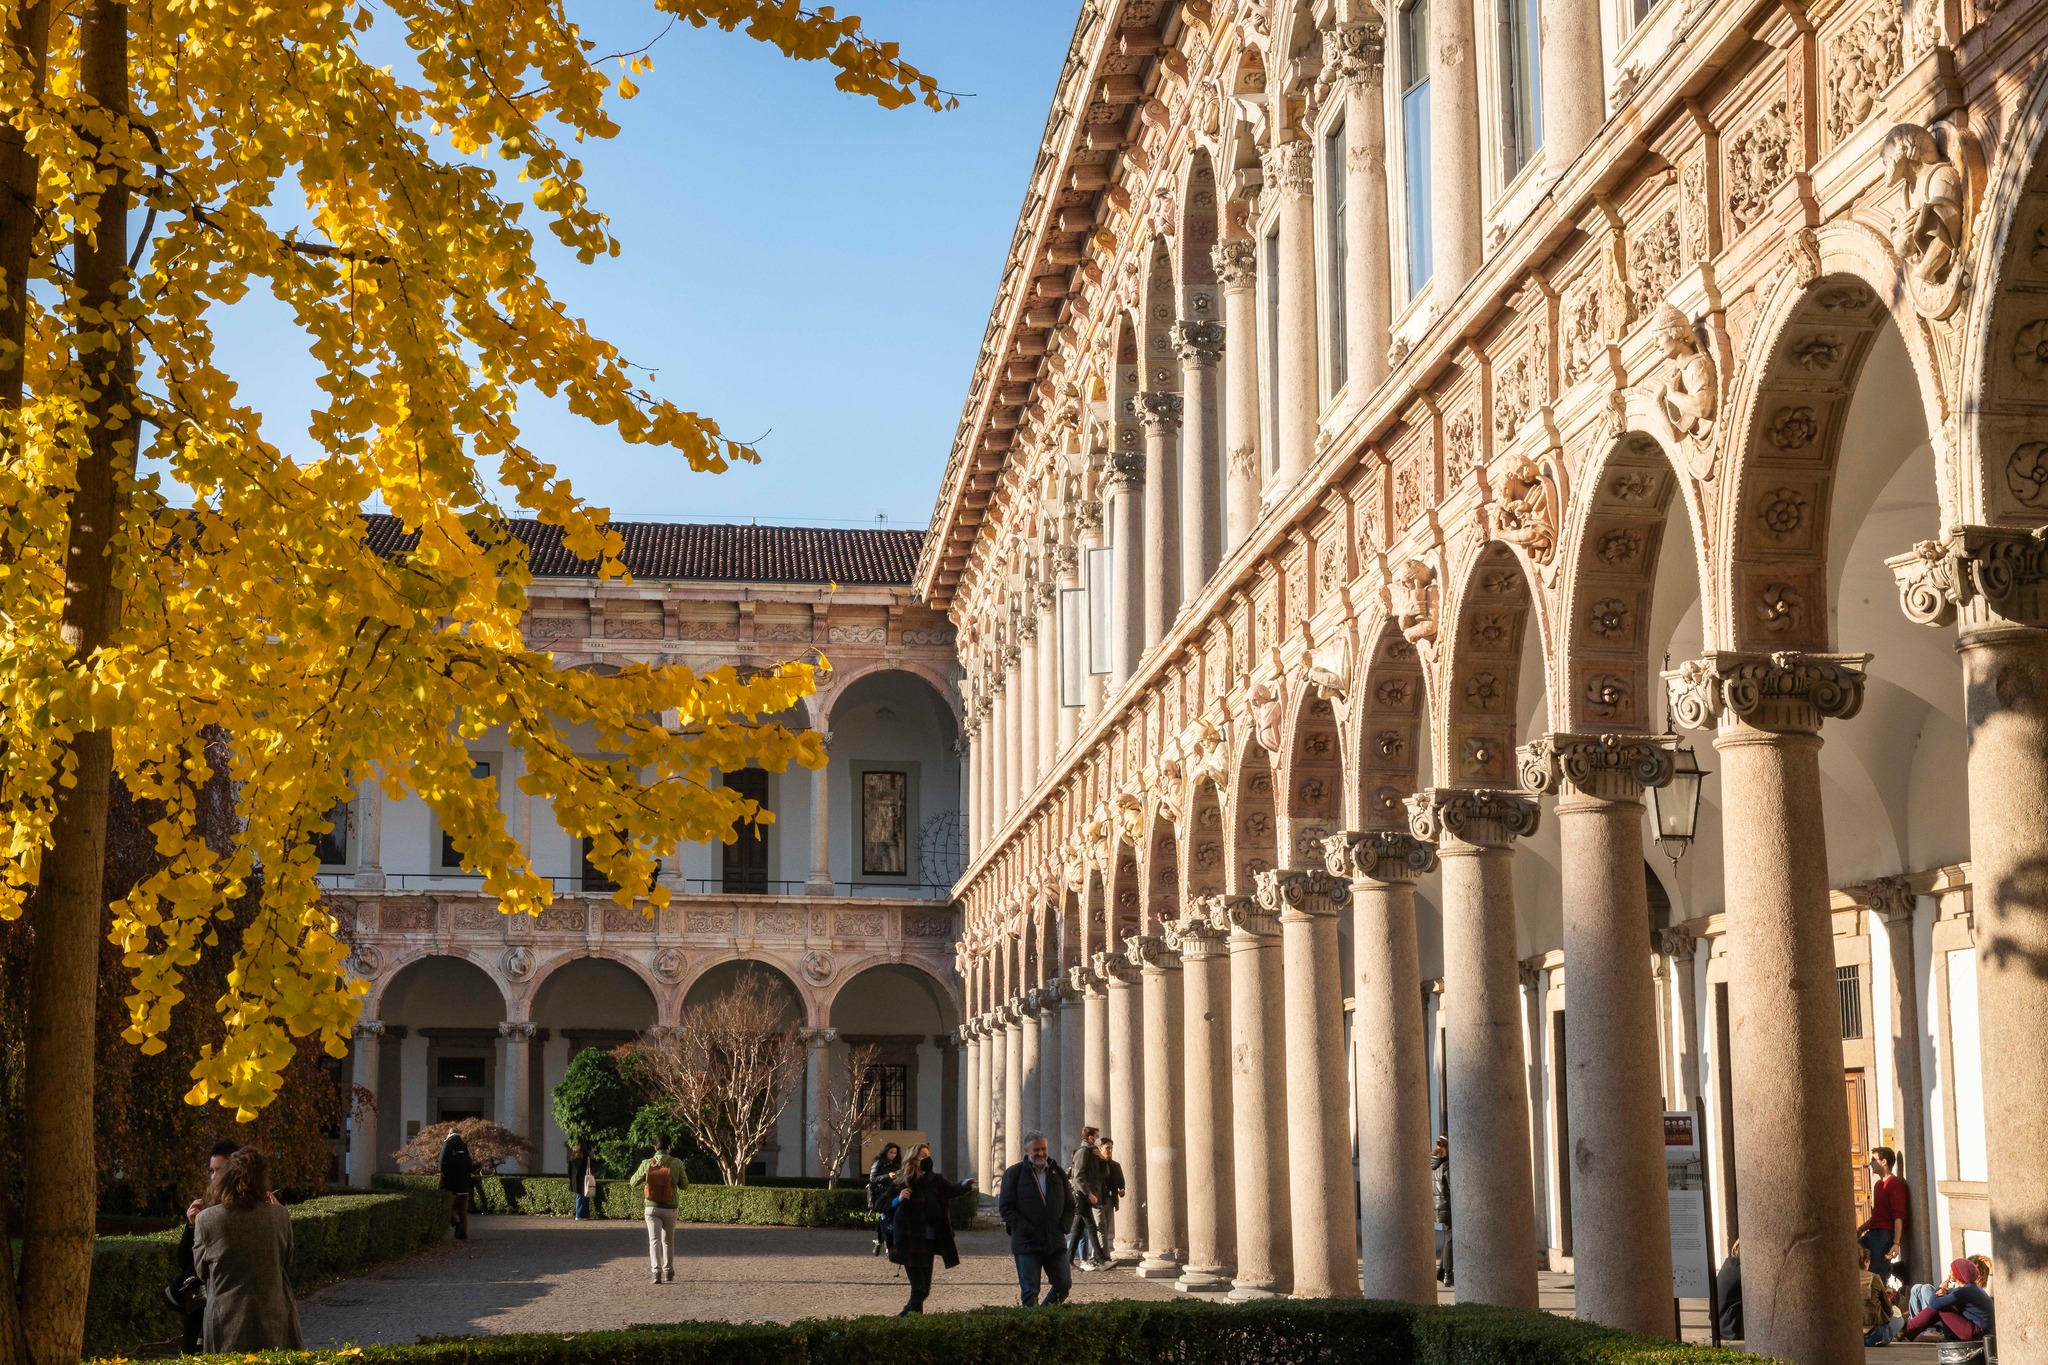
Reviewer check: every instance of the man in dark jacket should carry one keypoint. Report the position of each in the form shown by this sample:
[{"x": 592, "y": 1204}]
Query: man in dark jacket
[
  {"x": 1090, "y": 1179},
  {"x": 1112, "y": 1200},
  {"x": 1037, "y": 1206},
  {"x": 1440, "y": 1186},
  {"x": 458, "y": 1177}
]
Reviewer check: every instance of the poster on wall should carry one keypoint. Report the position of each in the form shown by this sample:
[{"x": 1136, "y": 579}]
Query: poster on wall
[{"x": 884, "y": 824}]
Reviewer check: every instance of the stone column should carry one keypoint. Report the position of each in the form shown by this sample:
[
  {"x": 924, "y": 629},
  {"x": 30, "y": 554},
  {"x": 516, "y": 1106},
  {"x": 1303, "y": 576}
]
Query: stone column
[
  {"x": 1049, "y": 1054},
  {"x": 1095, "y": 1111},
  {"x": 1574, "y": 106},
  {"x": 1160, "y": 985},
  {"x": 1621, "y": 1222},
  {"x": 1396, "y": 1209},
  {"x": 817, "y": 1093},
  {"x": 1027, "y": 698},
  {"x": 1027, "y": 1049},
  {"x": 1013, "y": 1084},
  {"x": 1162, "y": 413},
  {"x": 1456, "y": 245},
  {"x": 1016, "y": 705},
  {"x": 1200, "y": 347},
  {"x": 515, "y": 1075},
  {"x": 1048, "y": 682},
  {"x": 1891, "y": 902},
  {"x": 994, "y": 1059},
  {"x": 1678, "y": 947},
  {"x": 1237, "y": 269},
  {"x": 1493, "y": 1201},
  {"x": 1290, "y": 175},
  {"x": 1126, "y": 1125},
  {"x": 1258, "y": 1100},
  {"x": 999, "y": 755},
  {"x": 1368, "y": 304},
  {"x": 953, "y": 1092},
  {"x": 1127, "y": 590},
  {"x": 370, "y": 851},
  {"x": 1205, "y": 1081},
  {"x": 976, "y": 1102},
  {"x": 362, "y": 1127},
  {"x": 1988, "y": 583},
  {"x": 819, "y": 883},
  {"x": 1318, "y": 1092},
  {"x": 1095, "y": 686},
  {"x": 977, "y": 779},
  {"x": 1799, "y": 1291}
]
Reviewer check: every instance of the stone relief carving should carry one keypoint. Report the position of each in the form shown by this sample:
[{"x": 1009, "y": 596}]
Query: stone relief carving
[
  {"x": 1584, "y": 332},
  {"x": 1977, "y": 575},
  {"x": 1793, "y": 428},
  {"x": 1414, "y": 606},
  {"x": 1618, "y": 547},
  {"x": 1687, "y": 391},
  {"x": 2030, "y": 351},
  {"x": 2026, "y": 474},
  {"x": 1512, "y": 397},
  {"x": 1759, "y": 159},
  {"x": 1928, "y": 232},
  {"x": 1262, "y": 695},
  {"x": 1476, "y": 816},
  {"x": 1461, "y": 439},
  {"x": 366, "y": 961},
  {"x": 1779, "y": 607},
  {"x": 516, "y": 963},
  {"x": 1817, "y": 353},
  {"x": 1609, "y": 618},
  {"x": 1329, "y": 668},
  {"x": 1382, "y": 855},
  {"x": 670, "y": 963},
  {"x": 1692, "y": 202},
  {"x": 1607, "y": 696},
  {"x": 1612, "y": 766},
  {"x": 1653, "y": 264},
  {"x": 1783, "y": 691},
  {"x": 1527, "y": 513},
  {"x": 1781, "y": 512},
  {"x": 818, "y": 966},
  {"x": 1866, "y": 58}
]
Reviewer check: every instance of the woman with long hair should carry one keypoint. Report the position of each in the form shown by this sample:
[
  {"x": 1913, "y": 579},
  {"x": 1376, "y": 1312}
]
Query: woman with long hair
[
  {"x": 882, "y": 1190},
  {"x": 924, "y": 1225},
  {"x": 242, "y": 1244}
]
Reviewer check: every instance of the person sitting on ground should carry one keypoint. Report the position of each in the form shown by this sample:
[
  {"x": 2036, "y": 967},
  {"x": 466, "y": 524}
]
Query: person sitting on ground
[
  {"x": 882, "y": 1190},
  {"x": 923, "y": 1220},
  {"x": 1877, "y": 1300},
  {"x": 242, "y": 1244},
  {"x": 1958, "y": 1310},
  {"x": 1728, "y": 1288},
  {"x": 659, "y": 1177}
]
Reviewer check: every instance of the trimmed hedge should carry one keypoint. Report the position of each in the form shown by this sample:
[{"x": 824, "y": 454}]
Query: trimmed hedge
[
  {"x": 777, "y": 1206},
  {"x": 336, "y": 1235},
  {"x": 1278, "y": 1332}
]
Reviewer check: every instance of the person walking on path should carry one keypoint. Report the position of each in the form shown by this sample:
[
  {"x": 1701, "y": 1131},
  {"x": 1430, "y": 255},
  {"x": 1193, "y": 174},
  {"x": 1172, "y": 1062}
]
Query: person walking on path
[
  {"x": 1037, "y": 1207},
  {"x": 582, "y": 1178},
  {"x": 882, "y": 1185},
  {"x": 458, "y": 1177},
  {"x": 242, "y": 1245},
  {"x": 658, "y": 1180},
  {"x": 1440, "y": 1188},
  {"x": 1883, "y": 1233},
  {"x": 186, "y": 1293},
  {"x": 1113, "y": 1192},
  {"x": 923, "y": 1219},
  {"x": 1090, "y": 1177}
]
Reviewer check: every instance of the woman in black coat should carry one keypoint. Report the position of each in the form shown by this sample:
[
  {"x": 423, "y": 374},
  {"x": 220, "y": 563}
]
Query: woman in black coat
[
  {"x": 924, "y": 1229},
  {"x": 882, "y": 1191}
]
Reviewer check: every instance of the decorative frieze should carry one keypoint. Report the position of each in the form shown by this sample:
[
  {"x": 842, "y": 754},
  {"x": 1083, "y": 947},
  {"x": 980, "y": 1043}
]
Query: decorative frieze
[
  {"x": 1786, "y": 692},
  {"x": 1614, "y": 767}
]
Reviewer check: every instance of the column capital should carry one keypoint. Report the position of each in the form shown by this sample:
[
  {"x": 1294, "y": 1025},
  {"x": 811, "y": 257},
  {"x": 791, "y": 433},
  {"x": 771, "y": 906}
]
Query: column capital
[
  {"x": 818, "y": 1037},
  {"x": 1290, "y": 168},
  {"x": 1380, "y": 855},
  {"x": 1236, "y": 260},
  {"x": 1611, "y": 767},
  {"x": 1783, "y": 693},
  {"x": 1027, "y": 626},
  {"x": 517, "y": 1028},
  {"x": 1126, "y": 471},
  {"x": 1116, "y": 969},
  {"x": 1197, "y": 343},
  {"x": 1088, "y": 516},
  {"x": 368, "y": 1028},
  {"x": 1034, "y": 1001},
  {"x": 1151, "y": 953},
  {"x": 1361, "y": 54},
  {"x": 1196, "y": 936},
  {"x": 1160, "y": 410},
  {"x": 1243, "y": 918},
  {"x": 1084, "y": 981},
  {"x": 1473, "y": 816},
  {"x": 1889, "y": 898},
  {"x": 1295, "y": 893},
  {"x": 1976, "y": 577},
  {"x": 1678, "y": 944},
  {"x": 1530, "y": 970}
]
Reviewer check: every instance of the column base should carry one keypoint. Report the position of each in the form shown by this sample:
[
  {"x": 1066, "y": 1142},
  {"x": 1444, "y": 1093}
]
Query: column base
[
  {"x": 1250, "y": 1291},
  {"x": 369, "y": 879},
  {"x": 818, "y": 887},
  {"x": 1202, "y": 1279},
  {"x": 1158, "y": 1267},
  {"x": 1124, "y": 1257}
]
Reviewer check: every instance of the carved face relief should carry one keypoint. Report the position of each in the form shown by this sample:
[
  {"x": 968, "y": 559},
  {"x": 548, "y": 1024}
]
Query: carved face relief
[
  {"x": 1609, "y": 618},
  {"x": 1793, "y": 428}
]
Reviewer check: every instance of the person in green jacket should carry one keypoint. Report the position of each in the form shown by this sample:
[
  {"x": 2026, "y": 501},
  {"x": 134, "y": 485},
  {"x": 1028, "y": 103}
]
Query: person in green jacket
[{"x": 658, "y": 1178}]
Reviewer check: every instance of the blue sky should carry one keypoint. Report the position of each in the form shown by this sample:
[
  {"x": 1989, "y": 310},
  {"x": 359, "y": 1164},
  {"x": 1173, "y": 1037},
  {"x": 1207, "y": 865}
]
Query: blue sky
[{"x": 796, "y": 261}]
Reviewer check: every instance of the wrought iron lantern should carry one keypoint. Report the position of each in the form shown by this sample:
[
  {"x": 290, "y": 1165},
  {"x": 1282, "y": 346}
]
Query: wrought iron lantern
[{"x": 1677, "y": 804}]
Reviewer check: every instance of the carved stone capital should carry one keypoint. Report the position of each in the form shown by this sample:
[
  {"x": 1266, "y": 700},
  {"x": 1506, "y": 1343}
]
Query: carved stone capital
[
  {"x": 1530, "y": 971},
  {"x": 1237, "y": 263},
  {"x": 1196, "y": 936},
  {"x": 1678, "y": 944},
  {"x": 1084, "y": 981},
  {"x": 1151, "y": 953},
  {"x": 1027, "y": 627},
  {"x": 1198, "y": 343},
  {"x": 1977, "y": 578},
  {"x": 1126, "y": 472},
  {"x": 517, "y": 1029},
  {"x": 1889, "y": 898},
  {"x": 1160, "y": 410},
  {"x": 1361, "y": 51},
  {"x": 819, "y": 1037},
  {"x": 1295, "y": 893},
  {"x": 1381, "y": 855},
  {"x": 1482, "y": 818},
  {"x": 1290, "y": 168},
  {"x": 1242, "y": 918},
  {"x": 1115, "y": 968},
  {"x": 1782, "y": 693},
  {"x": 369, "y": 1028},
  {"x": 1611, "y": 767},
  {"x": 1087, "y": 516}
]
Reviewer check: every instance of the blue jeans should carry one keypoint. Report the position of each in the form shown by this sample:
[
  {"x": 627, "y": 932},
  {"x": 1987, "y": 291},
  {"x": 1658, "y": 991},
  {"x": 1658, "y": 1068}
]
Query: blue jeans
[
  {"x": 582, "y": 1205},
  {"x": 1059, "y": 1278},
  {"x": 1878, "y": 1242}
]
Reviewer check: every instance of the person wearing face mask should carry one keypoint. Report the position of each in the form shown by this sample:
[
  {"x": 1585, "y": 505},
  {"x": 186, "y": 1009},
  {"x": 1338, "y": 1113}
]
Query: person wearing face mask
[{"x": 924, "y": 1225}]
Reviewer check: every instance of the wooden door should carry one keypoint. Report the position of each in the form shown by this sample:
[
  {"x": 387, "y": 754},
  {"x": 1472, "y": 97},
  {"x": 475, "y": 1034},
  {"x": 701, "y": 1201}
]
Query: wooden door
[
  {"x": 1859, "y": 1140},
  {"x": 746, "y": 858}
]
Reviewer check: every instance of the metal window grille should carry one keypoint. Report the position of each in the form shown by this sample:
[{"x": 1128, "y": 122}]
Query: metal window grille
[
  {"x": 1849, "y": 986},
  {"x": 891, "y": 1083}
]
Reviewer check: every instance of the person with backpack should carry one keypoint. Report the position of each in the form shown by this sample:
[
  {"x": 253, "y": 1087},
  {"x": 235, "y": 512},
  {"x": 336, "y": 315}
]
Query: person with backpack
[{"x": 659, "y": 1178}]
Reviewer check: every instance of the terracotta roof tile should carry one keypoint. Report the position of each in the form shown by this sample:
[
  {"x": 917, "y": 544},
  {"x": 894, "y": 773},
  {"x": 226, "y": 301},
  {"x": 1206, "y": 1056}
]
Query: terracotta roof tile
[{"x": 710, "y": 553}]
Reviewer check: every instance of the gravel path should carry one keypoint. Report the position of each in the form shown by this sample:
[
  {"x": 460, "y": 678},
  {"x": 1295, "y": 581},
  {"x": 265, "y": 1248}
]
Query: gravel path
[{"x": 521, "y": 1274}]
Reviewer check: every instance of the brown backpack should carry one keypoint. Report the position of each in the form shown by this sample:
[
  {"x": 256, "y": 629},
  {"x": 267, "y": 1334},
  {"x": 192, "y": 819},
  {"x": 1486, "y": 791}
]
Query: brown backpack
[{"x": 661, "y": 1184}]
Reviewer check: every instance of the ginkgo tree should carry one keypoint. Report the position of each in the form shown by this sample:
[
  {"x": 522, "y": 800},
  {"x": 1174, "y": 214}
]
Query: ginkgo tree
[{"x": 171, "y": 577}]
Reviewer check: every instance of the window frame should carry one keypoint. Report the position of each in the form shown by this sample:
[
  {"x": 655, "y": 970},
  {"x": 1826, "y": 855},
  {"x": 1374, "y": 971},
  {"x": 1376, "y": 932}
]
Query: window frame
[
  {"x": 1331, "y": 226},
  {"x": 437, "y": 840},
  {"x": 1409, "y": 94}
]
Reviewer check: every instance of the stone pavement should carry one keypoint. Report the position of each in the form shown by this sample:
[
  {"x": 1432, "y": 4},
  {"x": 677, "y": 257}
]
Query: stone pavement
[{"x": 521, "y": 1274}]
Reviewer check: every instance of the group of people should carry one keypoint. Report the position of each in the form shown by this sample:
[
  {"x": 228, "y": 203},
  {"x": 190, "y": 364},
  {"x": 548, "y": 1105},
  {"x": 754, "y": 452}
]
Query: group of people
[
  {"x": 1099, "y": 1188},
  {"x": 914, "y": 1227},
  {"x": 234, "y": 1261}
]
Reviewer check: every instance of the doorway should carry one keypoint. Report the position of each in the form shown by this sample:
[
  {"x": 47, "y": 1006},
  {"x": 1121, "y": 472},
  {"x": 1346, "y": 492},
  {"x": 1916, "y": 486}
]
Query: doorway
[{"x": 745, "y": 866}]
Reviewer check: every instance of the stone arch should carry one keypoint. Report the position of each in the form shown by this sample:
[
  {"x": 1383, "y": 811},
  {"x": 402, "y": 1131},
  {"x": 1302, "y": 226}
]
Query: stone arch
[
  {"x": 1199, "y": 227},
  {"x": 380, "y": 987},
  {"x": 1810, "y": 346},
  {"x": 1481, "y": 705},
  {"x": 657, "y": 990},
  {"x": 1202, "y": 842},
  {"x": 1311, "y": 779},
  {"x": 823, "y": 703},
  {"x": 1389, "y": 714},
  {"x": 1161, "y": 874},
  {"x": 1252, "y": 822},
  {"x": 1094, "y": 930},
  {"x": 1126, "y": 381},
  {"x": 944, "y": 993},
  {"x": 711, "y": 974},
  {"x": 1072, "y": 944}
]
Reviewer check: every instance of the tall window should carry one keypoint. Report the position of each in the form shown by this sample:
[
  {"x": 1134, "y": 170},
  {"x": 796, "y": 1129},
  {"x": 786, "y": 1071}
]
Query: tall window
[
  {"x": 1333, "y": 231},
  {"x": 1521, "y": 102},
  {"x": 333, "y": 845},
  {"x": 1272, "y": 254},
  {"x": 449, "y": 860},
  {"x": 1098, "y": 589},
  {"x": 1415, "y": 137}
]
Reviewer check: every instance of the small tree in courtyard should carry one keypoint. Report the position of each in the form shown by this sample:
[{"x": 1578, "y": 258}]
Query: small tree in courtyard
[
  {"x": 490, "y": 1145},
  {"x": 727, "y": 1071},
  {"x": 852, "y": 1099}
]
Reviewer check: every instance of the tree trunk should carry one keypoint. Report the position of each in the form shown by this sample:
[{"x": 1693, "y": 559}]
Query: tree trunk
[{"x": 70, "y": 906}]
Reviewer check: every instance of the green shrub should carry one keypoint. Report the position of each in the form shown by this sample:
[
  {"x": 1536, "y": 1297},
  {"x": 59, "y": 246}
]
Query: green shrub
[
  {"x": 336, "y": 1235},
  {"x": 1185, "y": 1332},
  {"x": 778, "y": 1206}
]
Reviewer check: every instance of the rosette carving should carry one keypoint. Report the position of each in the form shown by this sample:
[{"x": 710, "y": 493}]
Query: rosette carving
[
  {"x": 1782, "y": 692},
  {"x": 1382, "y": 855},
  {"x": 1475, "y": 815},
  {"x": 1617, "y": 767}
]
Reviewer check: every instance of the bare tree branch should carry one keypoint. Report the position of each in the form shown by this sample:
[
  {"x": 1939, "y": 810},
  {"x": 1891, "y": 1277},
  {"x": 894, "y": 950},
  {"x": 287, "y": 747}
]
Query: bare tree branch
[
  {"x": 728, "y": 1070},
  {"x": 851, "y": 1098}
]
